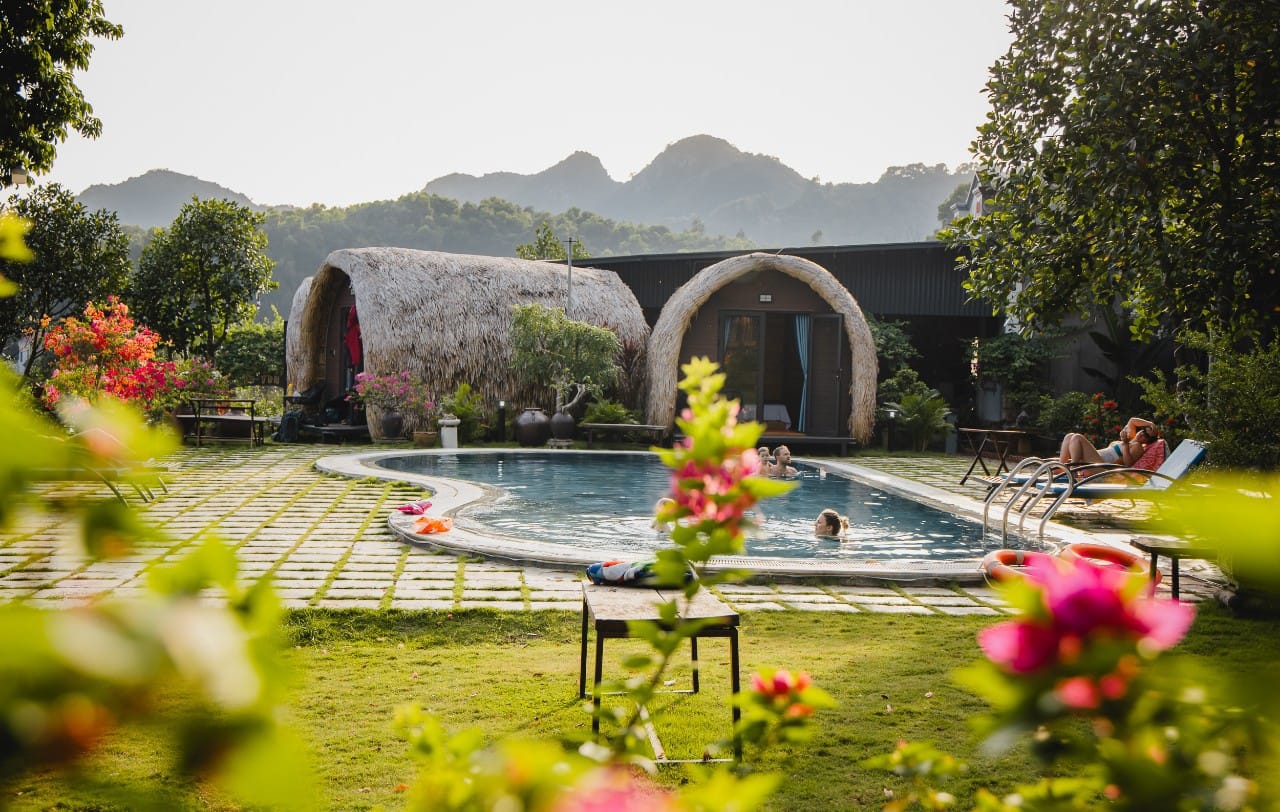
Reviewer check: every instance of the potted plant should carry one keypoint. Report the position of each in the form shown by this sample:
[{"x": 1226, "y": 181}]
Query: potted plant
[
  {"x": 573, "y": 356},
  {"x": 400, "y": 400}
]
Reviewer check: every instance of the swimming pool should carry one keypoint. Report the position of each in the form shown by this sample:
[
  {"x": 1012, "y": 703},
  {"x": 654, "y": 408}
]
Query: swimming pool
[{"x": 603, "y": 502}]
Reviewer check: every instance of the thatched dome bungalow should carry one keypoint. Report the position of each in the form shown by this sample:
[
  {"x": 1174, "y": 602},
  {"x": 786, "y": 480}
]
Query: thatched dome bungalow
[
  {"x": 792, "y": 341},
  {"x": 444, "y": 317}
]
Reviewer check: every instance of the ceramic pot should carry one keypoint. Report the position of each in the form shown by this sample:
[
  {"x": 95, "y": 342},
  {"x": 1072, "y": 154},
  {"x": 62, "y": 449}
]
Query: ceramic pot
[
  {"x": 392, "y": 426},
  {"x": 562, "y": 424},
  {"x": 426, "y": 439},
  {"x": 532, "y": 427}
]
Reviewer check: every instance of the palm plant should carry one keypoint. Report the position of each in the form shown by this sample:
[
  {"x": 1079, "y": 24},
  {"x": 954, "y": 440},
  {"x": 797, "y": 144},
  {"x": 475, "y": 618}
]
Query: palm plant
[{"x": 923, "y": 416}]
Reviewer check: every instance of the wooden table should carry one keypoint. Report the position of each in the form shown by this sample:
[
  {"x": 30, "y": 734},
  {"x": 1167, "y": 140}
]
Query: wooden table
[
  {"x": 998, "y": 440},
  {"x": 608, "y": 428},
  {"x": 1175, "y": 550},
  {"x": 609, "y": 609}
]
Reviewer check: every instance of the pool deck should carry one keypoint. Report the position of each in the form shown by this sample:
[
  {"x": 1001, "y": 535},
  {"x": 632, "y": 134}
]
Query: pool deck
[{"x": 326, "y": 543}]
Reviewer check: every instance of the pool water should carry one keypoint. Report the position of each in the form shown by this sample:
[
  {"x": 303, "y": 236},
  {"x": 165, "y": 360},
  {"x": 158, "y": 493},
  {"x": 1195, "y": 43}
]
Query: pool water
[{"x": 605, "y": 502}]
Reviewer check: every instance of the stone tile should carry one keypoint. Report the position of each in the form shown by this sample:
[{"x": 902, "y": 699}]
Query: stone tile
[
  {"x": 351, "y": 594},
  {"x": 879, "y": 600},
  {"x": 506, "y": 606},
  {"x": 944, "y": 600},
  {"x": 562, "y": 605},
  {"x": 822, "y": 607},
  {"x": 890, "y": 609},
  {"x": 340, "y": 603},
  {"x": 399, "y": 603},
  {"x": 759, "y": 606},
  {"x": 967, "y": 610},
  {"x": 423, "y": 594}
]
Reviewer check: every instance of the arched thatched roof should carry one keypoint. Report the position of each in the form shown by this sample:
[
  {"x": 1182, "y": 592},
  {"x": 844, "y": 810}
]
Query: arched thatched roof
[
  {"x": 447, "y": 317},
  {"x": 668, "y": 333}
]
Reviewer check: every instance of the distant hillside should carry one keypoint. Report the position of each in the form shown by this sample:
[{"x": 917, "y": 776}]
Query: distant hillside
[
  {"x": 709, "y": 180},
  {"x": 687, "y": 198},
  {"x": 153, "y": 199}
]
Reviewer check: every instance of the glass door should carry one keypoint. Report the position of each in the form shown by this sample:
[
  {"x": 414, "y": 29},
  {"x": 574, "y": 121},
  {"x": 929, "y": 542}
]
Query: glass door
[{"x": 741, "y": 346}]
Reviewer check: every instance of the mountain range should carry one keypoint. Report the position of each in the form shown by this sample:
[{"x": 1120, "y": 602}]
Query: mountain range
[{"x": 700, "y": 182}]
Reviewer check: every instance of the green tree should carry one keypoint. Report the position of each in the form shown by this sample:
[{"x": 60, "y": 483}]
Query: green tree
[
  {"x": 253, "y": 351},
  {"x": 546, "y": 245},
  {"x": 1132, "y": 149},
  {"x": 547, "y": 346},
  {"x": 42, "y": 44},
  {"x": 203, "y": 274},
  {"x": 80, "y": 256}
]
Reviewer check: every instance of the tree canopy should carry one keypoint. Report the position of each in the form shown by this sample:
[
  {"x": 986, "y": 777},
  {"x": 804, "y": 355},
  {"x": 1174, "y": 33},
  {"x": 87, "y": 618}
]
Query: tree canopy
[
  {"x": 549, "y": 347},
  {"x": 546, "y": 245},
  {"x": 203, "y": 274},
  {"x": 42, "y": 44},
  {"x": 1132, "y": 153},
  {"x": 80, "y": 256}
]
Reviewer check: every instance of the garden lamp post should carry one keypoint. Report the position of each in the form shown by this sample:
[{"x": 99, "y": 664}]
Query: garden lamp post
[
  {"x": 502, "y": 421},
  {"x": 891, "y": 415}
]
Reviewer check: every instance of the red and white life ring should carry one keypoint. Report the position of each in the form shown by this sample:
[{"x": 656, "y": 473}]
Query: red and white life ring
[
  {"x": 1006, "y": 565},
  {"x": 1100, "y": 555}
]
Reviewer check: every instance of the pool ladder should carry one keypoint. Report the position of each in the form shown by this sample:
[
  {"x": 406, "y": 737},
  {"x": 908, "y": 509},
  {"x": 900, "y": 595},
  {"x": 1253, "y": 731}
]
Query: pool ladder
[{"x": 1029, "y": 488}]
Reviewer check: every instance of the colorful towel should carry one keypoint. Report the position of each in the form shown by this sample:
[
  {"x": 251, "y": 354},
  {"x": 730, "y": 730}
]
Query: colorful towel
[
  {"x": 433, "y": 524},
  {"x": 628, "y": 573},
  {"x": 415, "y": 508}
]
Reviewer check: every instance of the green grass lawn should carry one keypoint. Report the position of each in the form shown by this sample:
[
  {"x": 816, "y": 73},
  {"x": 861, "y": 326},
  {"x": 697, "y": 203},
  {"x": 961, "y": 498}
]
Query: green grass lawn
[{"x": 516, "y": 674}]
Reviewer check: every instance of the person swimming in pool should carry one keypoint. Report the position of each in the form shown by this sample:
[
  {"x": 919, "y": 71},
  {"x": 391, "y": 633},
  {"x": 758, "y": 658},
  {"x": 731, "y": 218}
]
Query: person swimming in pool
[
  {"x": 781, "y": 463},
  {"x": 830, "y": 524},
  {"x": 659, "y": 526}
]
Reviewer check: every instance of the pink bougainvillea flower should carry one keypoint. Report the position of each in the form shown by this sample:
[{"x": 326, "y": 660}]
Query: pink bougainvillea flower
[
  {"x": 1079, "y": 692},
  {"x": 1020, "y": 646},
  {"x": 1083, "y": 603}
]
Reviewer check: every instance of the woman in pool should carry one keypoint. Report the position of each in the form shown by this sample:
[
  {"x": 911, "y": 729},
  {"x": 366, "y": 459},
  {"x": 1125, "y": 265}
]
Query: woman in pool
[
  {"x": 661, "y": 527},
  {"x": 829, "y": 524}
]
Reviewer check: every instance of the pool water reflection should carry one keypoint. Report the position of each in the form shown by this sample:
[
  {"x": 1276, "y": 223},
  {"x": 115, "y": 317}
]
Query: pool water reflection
[{"x": 605, "y": 502}]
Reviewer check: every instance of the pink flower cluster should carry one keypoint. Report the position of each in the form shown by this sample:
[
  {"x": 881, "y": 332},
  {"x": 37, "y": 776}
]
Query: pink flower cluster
[
  {"x": 1085, "y": 605},
  {"x": 783, "y": 690},
  {"x": 711, "y": 490}
]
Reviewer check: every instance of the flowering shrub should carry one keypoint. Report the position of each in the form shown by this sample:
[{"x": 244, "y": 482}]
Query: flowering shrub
[
  {"x": 105, "y": 353},
  {"x": 397, "y": 392},
  {"x": 1101, "y": 420},
  {"x": 1084, "y": 645}
]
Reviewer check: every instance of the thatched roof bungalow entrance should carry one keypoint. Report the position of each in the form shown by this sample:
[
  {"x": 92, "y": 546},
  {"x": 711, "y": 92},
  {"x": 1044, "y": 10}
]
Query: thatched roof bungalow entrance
[
  {"x": 792, "y": 340},
  {"x": 444, "y": 317}
]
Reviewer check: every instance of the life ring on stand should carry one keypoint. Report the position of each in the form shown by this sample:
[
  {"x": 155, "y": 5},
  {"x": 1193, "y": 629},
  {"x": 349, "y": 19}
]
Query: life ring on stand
[
  {"x": 1008, "y": 565},
  {"x": 1100, "y": 555}
]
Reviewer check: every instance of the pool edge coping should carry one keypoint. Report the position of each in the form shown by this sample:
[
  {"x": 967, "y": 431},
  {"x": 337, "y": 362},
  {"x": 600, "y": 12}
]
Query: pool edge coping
[{"x": 451, "y": 495}]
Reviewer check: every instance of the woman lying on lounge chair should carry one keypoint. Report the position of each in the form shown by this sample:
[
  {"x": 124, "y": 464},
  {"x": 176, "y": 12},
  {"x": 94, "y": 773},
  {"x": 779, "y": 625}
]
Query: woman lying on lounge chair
[{"x": 1135, "y": 436}]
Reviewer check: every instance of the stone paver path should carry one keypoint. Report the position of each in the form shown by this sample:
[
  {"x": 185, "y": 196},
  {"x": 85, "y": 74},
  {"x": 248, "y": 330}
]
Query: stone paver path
[{"x": 323, "y": 540}]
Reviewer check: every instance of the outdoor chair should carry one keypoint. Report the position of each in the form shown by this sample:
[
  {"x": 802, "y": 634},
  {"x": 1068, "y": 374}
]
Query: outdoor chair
[{"x": 1094, "y": 481}]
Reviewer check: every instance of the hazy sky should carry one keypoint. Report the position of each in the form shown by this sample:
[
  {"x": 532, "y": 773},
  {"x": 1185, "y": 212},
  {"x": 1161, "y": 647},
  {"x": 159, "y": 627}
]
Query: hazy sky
[{"x": 339, "y": 102}]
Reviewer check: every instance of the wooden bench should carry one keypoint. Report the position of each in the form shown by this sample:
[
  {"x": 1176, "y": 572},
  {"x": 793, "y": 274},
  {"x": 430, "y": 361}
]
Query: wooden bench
[
  {"x": 1175, "y": 550},
  {"x": 607, "y": 428},
  {"x": 234, "y": 413},
  {"x": 610, "y": 610}
]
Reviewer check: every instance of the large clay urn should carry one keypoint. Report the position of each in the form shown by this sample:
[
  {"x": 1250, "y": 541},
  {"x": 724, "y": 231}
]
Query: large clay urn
[
  {"x": 532, "y": 427},
  {"x": 562, "y": 424},
  {"x": 392, "y": 426}
]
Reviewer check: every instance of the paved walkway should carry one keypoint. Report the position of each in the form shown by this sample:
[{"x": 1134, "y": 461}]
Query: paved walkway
[{"x": 325, "y": 543}]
